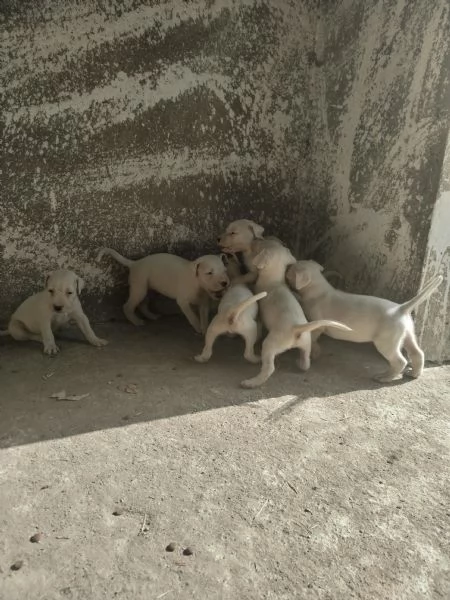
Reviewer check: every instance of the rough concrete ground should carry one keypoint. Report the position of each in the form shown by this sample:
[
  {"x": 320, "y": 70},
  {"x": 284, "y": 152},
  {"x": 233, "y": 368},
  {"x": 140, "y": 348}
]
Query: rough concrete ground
[{"x": 319, "y": 485}]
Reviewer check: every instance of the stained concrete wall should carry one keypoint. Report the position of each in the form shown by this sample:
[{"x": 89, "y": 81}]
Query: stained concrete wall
[
  {"x": 381, "y": 124},
  {"x": 146, "y": 126}
]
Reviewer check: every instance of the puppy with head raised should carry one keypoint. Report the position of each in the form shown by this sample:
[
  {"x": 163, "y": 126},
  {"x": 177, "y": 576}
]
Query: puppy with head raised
[
  {"x": 236, "y": 315},
  {"x": 242, "y": 236},
  {"x": 281, "y": 313},
  {"x": 45, "y": 312},
  {"x": 387, "y": 324},
  {"x": 189, "y": 283}
]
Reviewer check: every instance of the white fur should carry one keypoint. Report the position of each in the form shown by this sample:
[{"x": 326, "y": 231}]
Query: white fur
[
  {"x": 387, "y": 324},
  {"x": 236, "y": 314},
  {"x": 45, "y": 312},
  {"x": 281, "y": 313},
  {"x": 189, "y": 283}
]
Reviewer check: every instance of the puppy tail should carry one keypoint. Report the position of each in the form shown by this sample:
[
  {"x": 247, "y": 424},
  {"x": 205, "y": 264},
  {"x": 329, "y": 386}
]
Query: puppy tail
[
  {"x": 234, "y": 312},
  {"x": 299, "y": 329},
  {"x": 407, "y": 307},
  {"x": 126, "y": 262}
]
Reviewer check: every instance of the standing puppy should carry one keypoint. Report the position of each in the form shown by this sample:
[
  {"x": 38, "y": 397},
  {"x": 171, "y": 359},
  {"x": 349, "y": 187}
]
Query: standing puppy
[
  {"x": 236, "y": 314},
  {"x": 189, "y": 283},
  {"x": 281, "y": 313},
  {"x": 387, "y": 324},
  {"x": 41, "y": 314}
]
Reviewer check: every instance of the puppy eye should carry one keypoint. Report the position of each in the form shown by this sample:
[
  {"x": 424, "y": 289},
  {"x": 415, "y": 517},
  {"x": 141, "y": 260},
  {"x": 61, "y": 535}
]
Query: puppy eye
[
  {"x": 233, "y": 233},
  {"x": 51, "y": 291},
  {"x": 69, "y": 293},
  {"x": 209, "y": 273}
]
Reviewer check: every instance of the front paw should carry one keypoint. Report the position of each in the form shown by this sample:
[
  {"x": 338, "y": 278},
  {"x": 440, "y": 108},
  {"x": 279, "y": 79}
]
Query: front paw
[
  {"x": 99, "y": 342},
  {"x": 51, "y": 349},
  {"x": 201, "y": 358}
]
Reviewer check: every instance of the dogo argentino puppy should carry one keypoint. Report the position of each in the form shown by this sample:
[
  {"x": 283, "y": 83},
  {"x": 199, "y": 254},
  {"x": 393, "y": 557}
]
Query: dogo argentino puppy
[
  {"x": 281, "y": 313},
  {"x": 387, "y": 324},
  {"x": 45, "y": 312},
  {"x": 236, "y": 314},
  {"x": 189, "y": 283}
]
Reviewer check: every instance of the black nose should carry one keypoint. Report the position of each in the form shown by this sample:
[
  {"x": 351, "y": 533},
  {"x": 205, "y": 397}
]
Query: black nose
[
  {"x": 218, "y": 240},
  {"x": 224, "y": 283},
  {"x": 57, "y": 307}
]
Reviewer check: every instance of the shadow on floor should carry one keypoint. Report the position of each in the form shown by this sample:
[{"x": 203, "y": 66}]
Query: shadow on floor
[{"x": 149, "y": 373}]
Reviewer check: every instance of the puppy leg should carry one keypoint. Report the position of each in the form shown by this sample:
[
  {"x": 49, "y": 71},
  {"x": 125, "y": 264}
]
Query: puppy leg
[
  {"x": 48, "y": 339},
  {"x": 203, "y": 310},
  {"x": 18, "y": 331},
  {"x": 189, "y": 314},
  {"x": 315, "y": 348},
  {"x": 270, "y": 349},
  {"x": 148, "y": 314},
  {"x": 215, "y": 329},
  {"x": 138, "y": 291},
  {"x": 304, "y": 346},
  {"x": 250, "y": 335},
  {"x": 391, "y": 350},
  {"x": 415, "y": 355},
  {"x": 83, "y": 323}
]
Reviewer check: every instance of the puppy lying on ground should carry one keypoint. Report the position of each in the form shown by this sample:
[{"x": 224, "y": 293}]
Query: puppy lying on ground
[
  {"x": 189, "y": 283},
  {"x": 45, "y": 312},
  {"x": 281, "y": 313},
  {"x": 387, "y": 324},
  {"x": 236, "y": 314}
]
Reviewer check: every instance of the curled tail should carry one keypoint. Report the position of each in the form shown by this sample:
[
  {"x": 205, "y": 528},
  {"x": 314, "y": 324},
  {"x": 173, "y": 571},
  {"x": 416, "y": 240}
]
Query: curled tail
[
  {"x": 234, "y": 312},
  {"x": 299, "y": 329},
  {"x": 407, "y": 307},
  {"x": 126, "y": 262}
]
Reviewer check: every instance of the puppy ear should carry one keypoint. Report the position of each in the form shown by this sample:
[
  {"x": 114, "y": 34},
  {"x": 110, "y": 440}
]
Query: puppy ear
[
  {"x": 80, "y": 285},
  {"x": 47, "y": 277},
  {"x": 225, "y": 259},
  {"x": 261, "y": 259},
  {"x": 195, "y": 266},
  {"x": 302, "y": 279},
  {"x": 256, "y": 229}
]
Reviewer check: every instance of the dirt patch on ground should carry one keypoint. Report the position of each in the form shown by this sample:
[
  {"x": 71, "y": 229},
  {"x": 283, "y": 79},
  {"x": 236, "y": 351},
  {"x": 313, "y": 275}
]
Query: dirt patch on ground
[{"x": 318, "y": 485}]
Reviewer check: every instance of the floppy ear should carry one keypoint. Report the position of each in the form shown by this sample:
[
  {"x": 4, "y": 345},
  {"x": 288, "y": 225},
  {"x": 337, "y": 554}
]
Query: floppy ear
[
  {"x": 302, "y": 278},
  {"x": 80, "y": 285},
  {"x": 47, "y": 277},
  {"x": 256, "y": 229},
  {"x": 195, "y": 266},
  {"x": 261, "y": 259},
  {"x": 225, "y": 259}
]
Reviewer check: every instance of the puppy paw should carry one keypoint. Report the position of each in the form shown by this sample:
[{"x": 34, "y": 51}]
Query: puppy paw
[
  {"x": 253, "y": 359},
  {"x": 201, "y": 358},
  {"x": 250, "y": 383},
  {"x": 51, "y": 349},
  {"x": 412, "y": 374},
  {"x": 99, "y": 342},
  {"x": 387, "y": 377}
]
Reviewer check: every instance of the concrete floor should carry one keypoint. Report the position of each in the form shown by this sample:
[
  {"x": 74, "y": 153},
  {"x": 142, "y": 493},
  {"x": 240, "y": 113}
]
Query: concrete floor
[{"x": 319, "y": 485}]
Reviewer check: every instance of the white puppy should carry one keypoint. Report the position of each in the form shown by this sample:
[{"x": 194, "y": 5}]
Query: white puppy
[
  {"x": 236, "y": 314},
  {"x": 281, "y": 313},
  {"x": 189, "y": 283},
  {"x": 387, "y": 324},
  {"x": 45, "y": 312}
]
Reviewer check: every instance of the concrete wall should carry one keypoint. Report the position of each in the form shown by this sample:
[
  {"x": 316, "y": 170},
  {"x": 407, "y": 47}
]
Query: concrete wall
[
  {"x": 146, "y": 126},
  {"x": 382, "y": 118}
]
